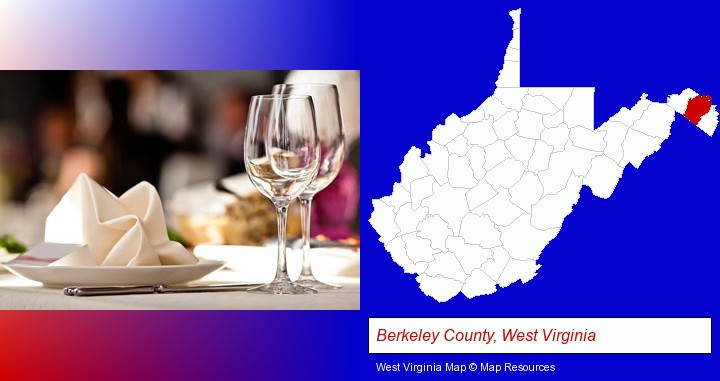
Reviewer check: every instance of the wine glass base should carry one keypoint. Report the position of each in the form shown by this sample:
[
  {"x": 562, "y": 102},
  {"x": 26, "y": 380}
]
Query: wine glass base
[
  {"x": 283, "y": 288},
  {"x": 316, "y": 284}
]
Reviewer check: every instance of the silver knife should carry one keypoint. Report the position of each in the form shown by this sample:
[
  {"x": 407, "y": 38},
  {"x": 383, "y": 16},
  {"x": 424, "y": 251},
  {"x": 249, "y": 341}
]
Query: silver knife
[{"x": 155, "y": 289}]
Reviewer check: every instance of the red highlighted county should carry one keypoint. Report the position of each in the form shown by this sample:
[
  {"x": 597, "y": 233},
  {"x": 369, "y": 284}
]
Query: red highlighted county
[{"x": 697, "y": 107}]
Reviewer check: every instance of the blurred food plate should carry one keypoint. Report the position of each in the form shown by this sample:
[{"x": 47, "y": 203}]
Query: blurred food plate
[
  {"x": 204, "y": 215},
  {"x": 63, "y": 276},
  {"x": 258, "y": 263}
]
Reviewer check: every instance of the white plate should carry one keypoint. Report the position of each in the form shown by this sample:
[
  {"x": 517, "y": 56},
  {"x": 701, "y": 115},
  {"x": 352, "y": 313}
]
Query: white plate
[
  {"x": 63, "y": 276},
  {"x": 257, "y": 263}
]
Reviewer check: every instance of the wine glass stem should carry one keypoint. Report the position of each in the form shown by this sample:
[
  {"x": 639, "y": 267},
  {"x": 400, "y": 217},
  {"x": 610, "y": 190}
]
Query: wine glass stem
[
  {"x": 305, "y": 205},
  {"x": 281, "y": 273}
]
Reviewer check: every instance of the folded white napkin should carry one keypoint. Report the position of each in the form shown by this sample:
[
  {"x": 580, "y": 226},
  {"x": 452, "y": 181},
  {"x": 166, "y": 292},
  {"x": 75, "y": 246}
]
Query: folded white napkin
[{"x": 116, "y": 231}]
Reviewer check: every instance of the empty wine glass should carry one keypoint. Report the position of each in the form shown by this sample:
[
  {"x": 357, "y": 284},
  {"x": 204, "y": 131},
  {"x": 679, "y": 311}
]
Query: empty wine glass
[
  {"x": 331, "y": 137},
  {"x": 281, "y": 158}
]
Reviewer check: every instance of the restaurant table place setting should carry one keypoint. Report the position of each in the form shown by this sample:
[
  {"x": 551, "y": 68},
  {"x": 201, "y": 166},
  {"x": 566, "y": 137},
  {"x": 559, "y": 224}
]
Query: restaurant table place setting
[{"x": 117, "y": 248}]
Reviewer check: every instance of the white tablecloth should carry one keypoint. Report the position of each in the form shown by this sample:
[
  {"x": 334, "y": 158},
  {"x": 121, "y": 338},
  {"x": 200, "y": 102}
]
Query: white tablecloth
[{"x": 22, "y": 294}]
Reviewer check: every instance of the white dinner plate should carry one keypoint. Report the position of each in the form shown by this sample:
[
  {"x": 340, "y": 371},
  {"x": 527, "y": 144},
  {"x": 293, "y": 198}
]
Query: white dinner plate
[{"x": 63, "y": 276}]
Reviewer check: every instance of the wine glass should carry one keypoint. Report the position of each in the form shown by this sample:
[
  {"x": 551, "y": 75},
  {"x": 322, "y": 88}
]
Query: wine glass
[
  {"x": 331, "y": 137},
  {"x": 281, "y": 158}
]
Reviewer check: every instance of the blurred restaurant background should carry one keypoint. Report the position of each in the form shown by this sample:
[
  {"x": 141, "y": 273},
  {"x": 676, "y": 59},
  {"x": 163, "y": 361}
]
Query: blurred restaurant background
[{"x": 182, "y": 131}]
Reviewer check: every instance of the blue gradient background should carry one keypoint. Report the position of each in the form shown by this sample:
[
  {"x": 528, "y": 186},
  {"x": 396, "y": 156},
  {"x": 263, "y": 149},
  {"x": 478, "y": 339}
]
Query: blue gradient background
[
  {"x": 419, "y": 64},
  {"x": 168, "y": 34}
]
